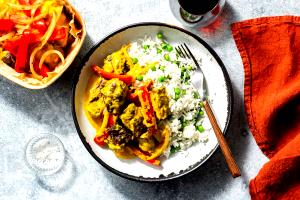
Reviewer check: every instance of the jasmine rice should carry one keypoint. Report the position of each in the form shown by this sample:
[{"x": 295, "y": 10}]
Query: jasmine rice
[{"x": 187, "y": 120}]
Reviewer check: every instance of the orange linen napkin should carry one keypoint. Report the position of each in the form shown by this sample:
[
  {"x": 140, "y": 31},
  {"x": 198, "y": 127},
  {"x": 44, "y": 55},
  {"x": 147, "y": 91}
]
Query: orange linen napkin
[{"x": 270, "y": 50}]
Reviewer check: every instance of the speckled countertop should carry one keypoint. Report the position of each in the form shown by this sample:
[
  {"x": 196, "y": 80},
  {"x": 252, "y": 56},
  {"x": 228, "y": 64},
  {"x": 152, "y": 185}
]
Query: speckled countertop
[{"x": 25, "y": 113}]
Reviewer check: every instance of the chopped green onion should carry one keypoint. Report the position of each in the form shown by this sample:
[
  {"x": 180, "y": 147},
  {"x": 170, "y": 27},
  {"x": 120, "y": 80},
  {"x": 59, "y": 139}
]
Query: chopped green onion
[
  {"x": 182, "y": 69},
  {"x": 176, "y": 62},
  {"x": 196, "y": 95},
  {"x": 158, "y": 51},
  {"x": 184, "y": 124},
  {"x": 189, "y": 67},
  {"x": 167, "y": 57},
  {"x": 159, "y": 35},
  {"x": 169, "y": 48},
  {"x": 135, "y": 60},
  {"x": 183, "y": 92},
  {"x": 200, "y": 129},
  {"x": 174, "y": 149},
  {"x": 201, "y": 104},
  {"x": 139, "y": 77},
  {"x": 153, "y": 68},
  {"x": 146, "y": 46},
  {"x": 161, "y": 79},
  {"x": 162, "y": 68}
]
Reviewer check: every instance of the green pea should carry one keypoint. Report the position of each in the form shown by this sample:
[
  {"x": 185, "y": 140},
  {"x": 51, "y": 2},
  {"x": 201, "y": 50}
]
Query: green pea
[
  {"x": 177, "y": 96},
  {"x": 177, "y": 91},
  {"x": 201, "y": 113},
  {"x": 159, "y": 35},
  {"x": 135, "y": 60},
  {"x": 139, "y": 77},
  {"x": 161, "y": 79},
  {"x": 164, "y": 45},
  {"x": 200, "y": 129},
  {"x": 169, "y": 48},
  {"x": 167, "y": 57}
]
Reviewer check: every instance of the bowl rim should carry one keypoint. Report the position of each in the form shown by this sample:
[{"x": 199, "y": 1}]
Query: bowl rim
[{"x": 170, "y": 176}]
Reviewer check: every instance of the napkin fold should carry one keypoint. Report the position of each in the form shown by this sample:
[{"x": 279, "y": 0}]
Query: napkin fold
[{"x": 270, "y": 51}]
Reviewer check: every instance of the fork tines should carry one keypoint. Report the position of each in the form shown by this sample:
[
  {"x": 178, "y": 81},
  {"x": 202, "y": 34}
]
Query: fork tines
[{"x": 185, "y": 52}]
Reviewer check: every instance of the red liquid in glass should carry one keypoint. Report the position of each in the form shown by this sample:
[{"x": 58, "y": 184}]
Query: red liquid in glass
[{"x": 198, "y": 7}]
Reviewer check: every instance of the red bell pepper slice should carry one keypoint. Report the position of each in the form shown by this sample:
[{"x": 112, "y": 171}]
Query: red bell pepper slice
[
  {"x": 40, "y": 25},
  {"x": 154, "y": 162},
  {"x": 125, "y": 78},
  {"x": 44, "y": 70},
  {"x": 58, "y": 34},
  {"x": 7, "y": 25},
  {"x": 100, "y": 139},
  {"x": 111, "y": 120},
  {"x": 146, "y": 99},
  {"x": 11, "y": 46},
  {"x": 26, "y": 2},
  {"x": 22, "y": 53}
]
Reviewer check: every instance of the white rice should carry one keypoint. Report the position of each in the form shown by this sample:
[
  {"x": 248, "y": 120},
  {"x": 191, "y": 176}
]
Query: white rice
[{"x": 184, "y": 118}]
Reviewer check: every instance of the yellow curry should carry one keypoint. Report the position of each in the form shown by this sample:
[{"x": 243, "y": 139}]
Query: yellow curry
[{"x": 129, "y": 117}]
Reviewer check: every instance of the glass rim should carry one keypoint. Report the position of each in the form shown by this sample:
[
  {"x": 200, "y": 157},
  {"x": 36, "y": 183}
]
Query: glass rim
[{"x": 37, "y": 170}]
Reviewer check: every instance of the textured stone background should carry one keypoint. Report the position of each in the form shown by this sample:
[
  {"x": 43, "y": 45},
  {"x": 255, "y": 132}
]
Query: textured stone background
[{"x": 25, "y": 113}]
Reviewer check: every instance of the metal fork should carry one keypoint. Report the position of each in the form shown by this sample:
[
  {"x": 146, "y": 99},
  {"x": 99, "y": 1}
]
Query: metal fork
[{"x": 186, "y": 53}]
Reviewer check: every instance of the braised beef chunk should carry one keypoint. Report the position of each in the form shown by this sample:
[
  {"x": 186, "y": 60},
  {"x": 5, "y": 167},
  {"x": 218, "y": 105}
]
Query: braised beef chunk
[
  {"x": 119, "y": 136},
  {"x": 114, "y": 93},
  {"x": 9, "y": 59}
]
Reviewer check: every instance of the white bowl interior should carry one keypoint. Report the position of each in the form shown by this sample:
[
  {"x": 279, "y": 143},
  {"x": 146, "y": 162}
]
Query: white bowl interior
[{"x": 218, "y": 94}]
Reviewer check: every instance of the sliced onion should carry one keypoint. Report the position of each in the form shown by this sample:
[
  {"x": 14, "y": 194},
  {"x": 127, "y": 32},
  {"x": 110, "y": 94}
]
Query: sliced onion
[
  {"x": 31, "y": 20},
  {"x": 47, "y": 53},
  {"x": 7, "y": 36},
  {"x": 23, "y": 7},
  {"x": 31, "y": 60}
]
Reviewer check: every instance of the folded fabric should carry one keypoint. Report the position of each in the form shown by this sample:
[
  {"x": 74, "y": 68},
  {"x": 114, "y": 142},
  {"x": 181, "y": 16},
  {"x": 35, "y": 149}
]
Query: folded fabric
[{"x": 270, "y": 51}]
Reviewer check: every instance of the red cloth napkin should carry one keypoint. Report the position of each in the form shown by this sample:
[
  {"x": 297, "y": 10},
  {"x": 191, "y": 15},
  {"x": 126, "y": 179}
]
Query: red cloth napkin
[{"x": 270, "y": 50}]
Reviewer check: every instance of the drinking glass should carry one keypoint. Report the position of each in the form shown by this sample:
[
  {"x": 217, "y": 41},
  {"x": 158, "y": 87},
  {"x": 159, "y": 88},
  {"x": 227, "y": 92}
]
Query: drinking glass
[
  {"x": 46, "y": 156},
  {"x": 200, "y": 12}
]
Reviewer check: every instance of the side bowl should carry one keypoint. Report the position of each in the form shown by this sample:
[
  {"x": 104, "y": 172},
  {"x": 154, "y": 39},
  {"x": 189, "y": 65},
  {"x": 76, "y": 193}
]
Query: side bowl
[
  {"x": 33, "y": 84},
  {"x": 181, "y": 163}
]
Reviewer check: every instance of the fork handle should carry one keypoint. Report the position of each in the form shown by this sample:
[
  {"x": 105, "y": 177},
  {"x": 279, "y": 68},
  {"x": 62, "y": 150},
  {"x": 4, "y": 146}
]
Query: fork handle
[{"x": 232, "y": 165}]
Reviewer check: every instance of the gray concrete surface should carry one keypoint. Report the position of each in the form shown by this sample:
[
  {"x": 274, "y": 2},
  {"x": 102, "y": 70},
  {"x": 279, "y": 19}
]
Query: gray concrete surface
[{"x": 25, "y": 113}]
